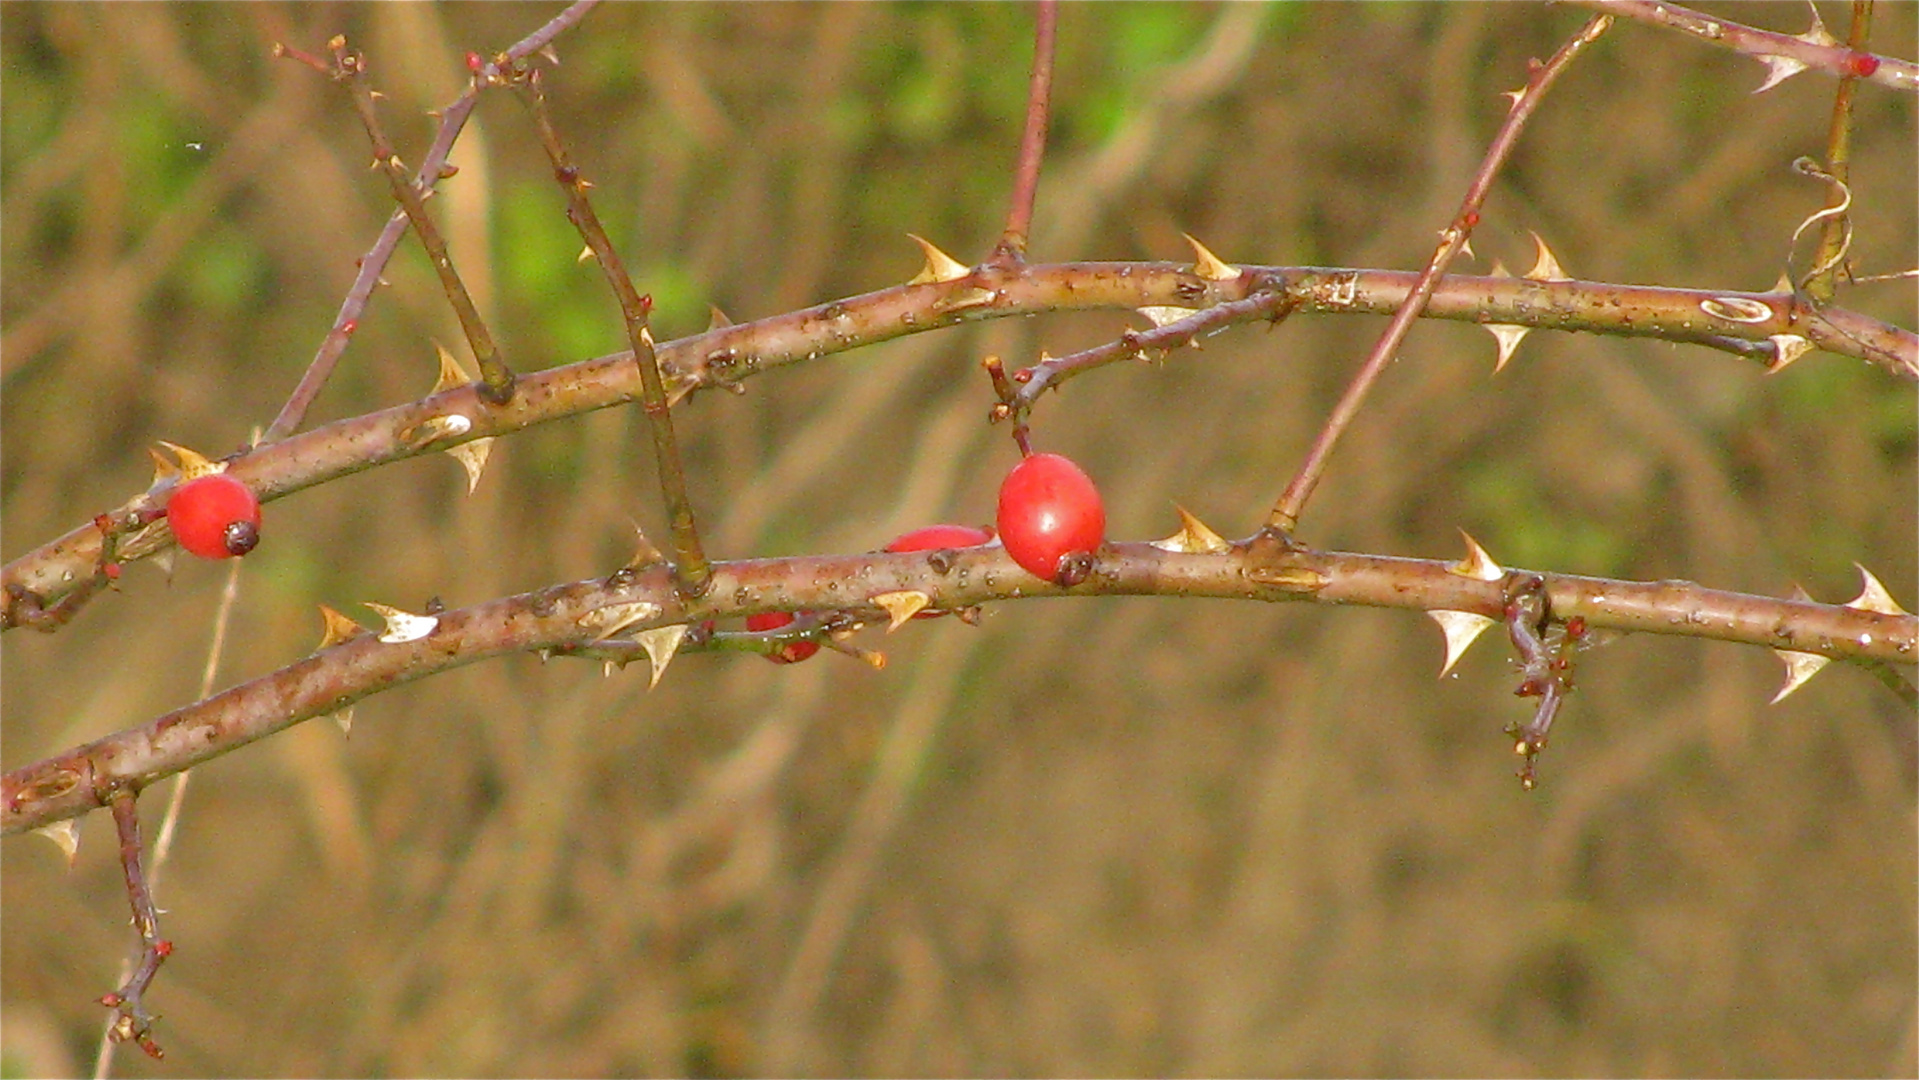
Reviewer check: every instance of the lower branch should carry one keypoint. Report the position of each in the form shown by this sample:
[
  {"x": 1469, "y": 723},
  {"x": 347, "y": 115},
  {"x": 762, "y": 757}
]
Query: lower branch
[{"x": 630, "y": 603}]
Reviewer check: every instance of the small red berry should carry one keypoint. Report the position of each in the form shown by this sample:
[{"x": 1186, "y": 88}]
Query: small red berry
[
  {"x": 215, "y": 517},
  {"x": 1051, "y": 518},
  {"x": 793, "y": 651},
  {"x": 939, "y": 538},
  {"x": 934, "y": 537}
]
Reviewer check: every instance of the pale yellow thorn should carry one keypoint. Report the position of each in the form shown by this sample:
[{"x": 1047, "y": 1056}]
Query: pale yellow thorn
[
  {"x": 645, "y": 553},
  {"x": 1208, "y": 265},
  {"x": 552, "y": 54},
  {"x": 472, "y": 457},
  {"x": 965, "y": 298},
  {"x": 661, "y": 643},
  {"x": 1499, "y": 269},
  {"x": 939, "y": 265},
  {"x": 435, "y": 428},
  {"x": 1477, "y": 564},
  {"x": 1817, "y": 34},
  {"x": 1508, "y": 335},
  {"x": 1778, "y": 70},
  {"x": 403, "y": 626},
  {"x": 1466, "y": 248},
  {"x": 65, "y": 836},
  {"x": 1786, "y": 349},
  {"x": 344, "y": 718},
  {"x": 1301, "y": 579},
  {"x": 451, "y": 373},
  {"x": 1874, "y": 597},
  {"x": 585, "y": 255},
  {"x": 716, "y": 319},
  {"x": 1193, "y": 537},
  {"x": 1516, "y": 96},
  {"x": 901, "y": 606},
  {"x": 1800, "y": 666},
  {"x": 193, "y": 464},
  {"x": 1545, "y": 267},
  {"x": 164, "y": 468},
  {"x": 336, "y": 628},
  {"x": 613, "y": 618},
  {"x": 1461, "y": 628},
  {"x": 1161, "y": 315},
  {"x": 1784, "y": 284}
]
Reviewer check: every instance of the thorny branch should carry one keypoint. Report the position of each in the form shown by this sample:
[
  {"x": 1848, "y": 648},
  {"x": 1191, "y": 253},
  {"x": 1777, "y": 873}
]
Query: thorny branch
[
  {"x": 1764, "y": 45},
  {"x": 1733, "y": 322},
  {"x": 577, "y": 614}
]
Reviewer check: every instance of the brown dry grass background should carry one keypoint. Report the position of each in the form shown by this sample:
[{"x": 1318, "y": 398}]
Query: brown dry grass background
[{"x": 1123, "y": 837}]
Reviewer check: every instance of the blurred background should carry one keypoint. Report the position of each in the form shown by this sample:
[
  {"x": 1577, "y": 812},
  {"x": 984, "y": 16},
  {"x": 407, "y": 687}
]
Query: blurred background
[{"x": 1104, "y": 836}]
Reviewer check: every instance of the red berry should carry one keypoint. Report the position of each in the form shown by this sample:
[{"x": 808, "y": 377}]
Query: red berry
[
  {"x": 215, "y": 517},
  {"x": 1051, "y": 518},
  {"x": 938, "y": 538},
  {"x": 793, "y": 651},
  {"x": 934, "y": 537}
]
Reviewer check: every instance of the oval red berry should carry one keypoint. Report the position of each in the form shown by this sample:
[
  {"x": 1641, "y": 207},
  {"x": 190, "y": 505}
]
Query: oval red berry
[
  {"x": 1051, "y": 518},
  {"x": 215, "y": 517},
  {"x": 793, "y": 651},
  {"x": 935, "y": 537}
]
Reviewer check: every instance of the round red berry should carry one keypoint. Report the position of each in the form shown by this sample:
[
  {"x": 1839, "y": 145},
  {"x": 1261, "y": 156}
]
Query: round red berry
[
  {"x": 215, "y": 517},
  {"x": 1051, "y": 518},
  {"x": 935, "y": 537},
  {"x": 793, "y": 651}
]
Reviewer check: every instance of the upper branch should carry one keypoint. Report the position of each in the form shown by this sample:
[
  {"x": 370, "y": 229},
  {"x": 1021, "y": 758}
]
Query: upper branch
[{"x": 1815, "y": 49}]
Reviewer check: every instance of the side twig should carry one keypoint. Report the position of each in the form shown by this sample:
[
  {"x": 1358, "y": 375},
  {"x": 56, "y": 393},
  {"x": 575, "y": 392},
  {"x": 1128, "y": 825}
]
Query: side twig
[
  {"x": 1285, "y": 516},
  {"x": 496, "y": 379},
  {"x": 1836, "y": 235},
  {"x": 691, "y": 573},
  {"x": 1011, "y": 249},
  {"x": 132, "y": 1022}
]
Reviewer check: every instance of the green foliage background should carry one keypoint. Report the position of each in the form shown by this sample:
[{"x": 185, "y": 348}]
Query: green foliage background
[{"x": 1092, "y": 837}]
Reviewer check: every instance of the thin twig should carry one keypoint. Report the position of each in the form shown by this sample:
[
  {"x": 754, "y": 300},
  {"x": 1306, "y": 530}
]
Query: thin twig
[
  {"x": 1836, "y": 234},
  {"x": 1285, "y": 516},
  {"x": 691, "y": 571},
  {"x": 1011, "y": 250},
  {"x": 496, "y": 379},
  {"x": 131, "y": 1020}
]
